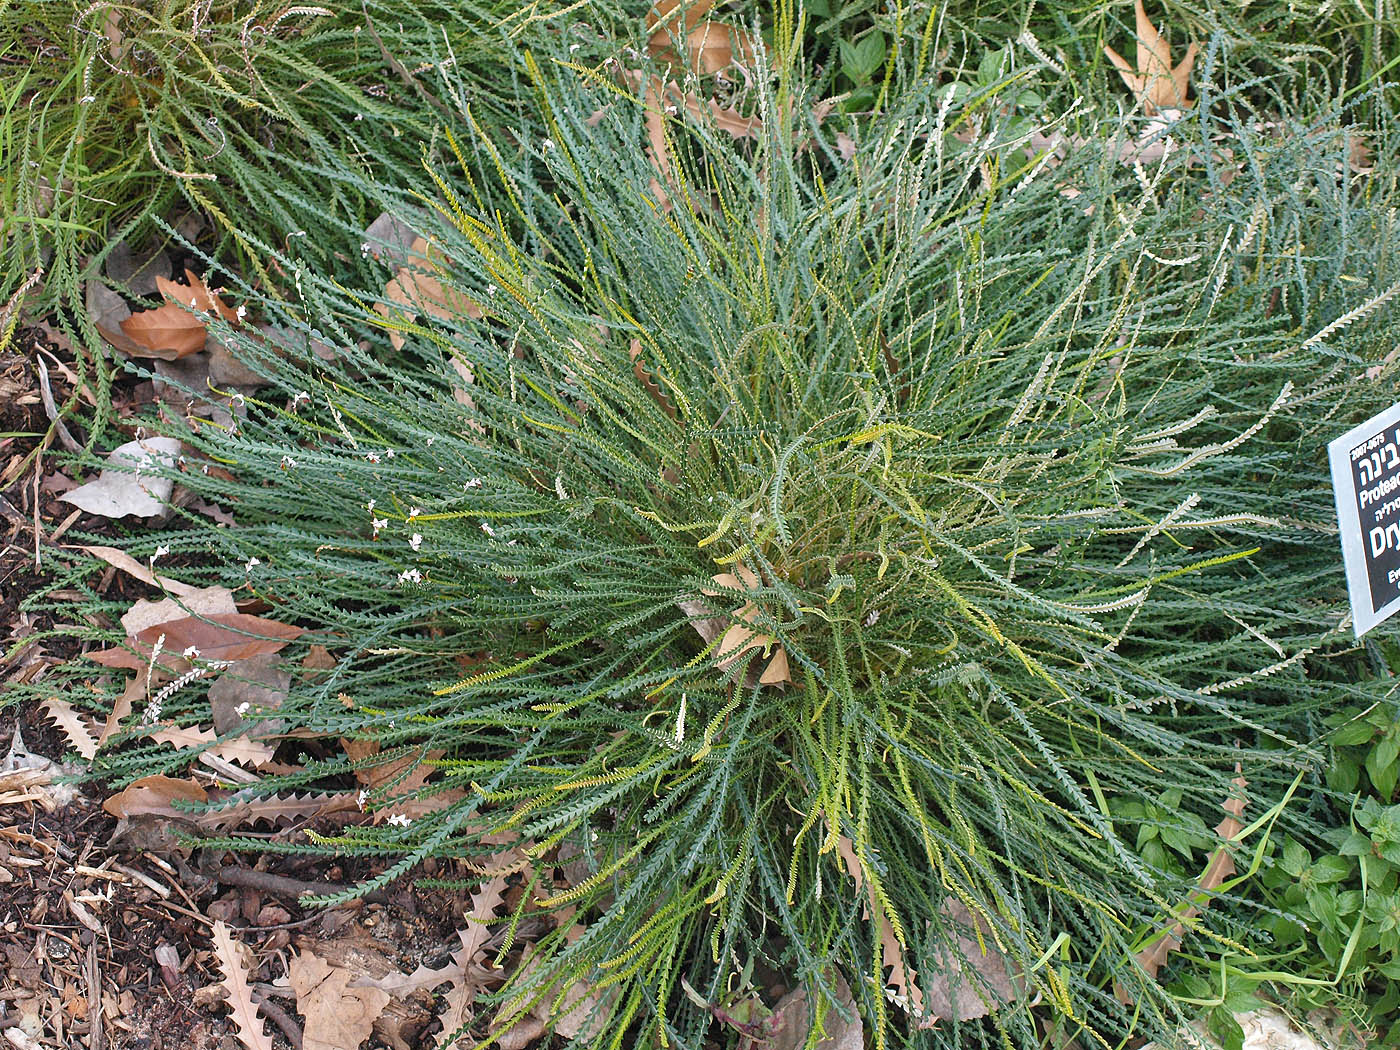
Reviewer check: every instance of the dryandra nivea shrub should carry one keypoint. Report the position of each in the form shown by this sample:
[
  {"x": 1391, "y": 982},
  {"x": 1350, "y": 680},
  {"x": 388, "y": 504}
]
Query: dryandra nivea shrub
[{"x": 815, "y": 552}]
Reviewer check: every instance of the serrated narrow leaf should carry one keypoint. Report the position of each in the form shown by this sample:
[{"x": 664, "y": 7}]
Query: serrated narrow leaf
[
  {"x": 80, "y": 731},
  {"x": 248, "y": 1022}
]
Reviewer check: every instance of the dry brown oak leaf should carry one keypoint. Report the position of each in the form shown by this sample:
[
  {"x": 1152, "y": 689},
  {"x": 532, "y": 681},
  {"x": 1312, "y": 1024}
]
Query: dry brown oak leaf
[{"x": 338, "y": 1017}]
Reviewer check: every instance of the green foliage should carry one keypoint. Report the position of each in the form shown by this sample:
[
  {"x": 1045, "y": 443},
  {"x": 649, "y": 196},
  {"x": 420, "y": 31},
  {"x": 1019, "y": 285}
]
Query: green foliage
[
  {"x": 1034, "y": 487},
  {"x": 1329, "y": 932}
]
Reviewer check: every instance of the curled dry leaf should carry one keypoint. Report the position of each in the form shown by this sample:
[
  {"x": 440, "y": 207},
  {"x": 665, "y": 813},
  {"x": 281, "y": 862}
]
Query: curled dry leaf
[
  {"x": 419, "y": 291},
  {"x": 251, "y": 1028},
  {"x": 121, "y": 489},
  {"x": 1220, "y": 868},
  {"x": 196, "y": 295},
  {"x": 126, "y": 563},
  {"x": 167, "y": 332},
  {"x": 649, "y": 384},
  {"x": 156, "y": 796},
  {"x": 1159, "y": 84},
  {"x": 712, "y": 47},
  {"x": 175, "y": 329},
  {"x": 669, "y": 19},
  {"x": 739, "y": 639}
]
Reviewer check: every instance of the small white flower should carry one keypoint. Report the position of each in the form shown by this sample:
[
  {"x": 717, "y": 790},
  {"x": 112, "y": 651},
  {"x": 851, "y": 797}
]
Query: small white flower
[
  {"x": 487, "y": 529},
  {"x": 241, "y": 312},
  {"x": 410, "y": 576},
  {"x": 364, "y": 249},
  {"x": 416, "y": 540},
  {"x": 190, "y": 653},
  {"x": 399, "y": 820},
  {"x": 388, "y": 453},
  {"x": 287, "y": 462},
  {"x": 431, "y": 439},
  {"x": 873, "y": 618},
  {"x": 86, "y": 99},
  {"x": 237, "y": 399},
  {"x": 559, "y": 487},
  {"x": 413, "y": 512},
  {"x": 370, "y": 506},
  {"x": 242, "y": 709},
  {"x": 161, "y": 552},
  {"x": 547, "y": 145},
  {"x": 373, "y": 457},
  {"x": 574, "y": 47},
  {"x": 378, "y": 523},
  {"x": 252, "y": 564},
  {"x": 301, "y": 395},
  {"x": 473, "y": 483},
  {"x": 491, "y": 289},
  {"x": 362, "y": 797}
]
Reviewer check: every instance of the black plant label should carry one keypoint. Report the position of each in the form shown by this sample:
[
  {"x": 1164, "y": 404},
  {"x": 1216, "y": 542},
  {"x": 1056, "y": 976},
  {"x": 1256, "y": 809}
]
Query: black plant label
[{"x": 1365, "y": 465}]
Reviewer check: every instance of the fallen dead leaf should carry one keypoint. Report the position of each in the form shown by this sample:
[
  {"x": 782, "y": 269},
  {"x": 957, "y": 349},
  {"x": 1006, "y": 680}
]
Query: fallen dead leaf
[
  {"x": 739, "y": 639},
  {"x": 251, "y": 1028},
  {"x": 791, "y": 1023},
  {"x": 80, "y": 730},
  {"x": 667, "y": 19},
  {"x": 405, "y": 775},
  {"x": 1220, "y": 868},
  {"x": 338, "y": 1017},
  {"x": 221, "y": 636},
  {"x": 120, "y": 489},
  {"x": 154, "y": 795},
  {"x": 419, "y": 291},
  {"x": 1159, "y": 84},
  {"x": 107, "y": 311},
  {"x": 243, "y": 696},
  {"x": 129, "y": 565},
  {"x": 167, "y": 332},
  {"x": 195, "y": 295},
  {"x": 206, "y": 601},
  {"x": 136, "y": 273}
]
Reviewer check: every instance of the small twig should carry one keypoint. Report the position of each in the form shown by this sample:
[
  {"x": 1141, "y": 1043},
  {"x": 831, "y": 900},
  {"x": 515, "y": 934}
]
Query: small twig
[
  {"x": 248, "y": 878},
  {"x": 93, "y": 979},
  {"x": 145, "y": 880},
  {"x": 280, "y": 1018},
  {"x": 398, "y": 67},
  {"x": 51, "y": 409}
]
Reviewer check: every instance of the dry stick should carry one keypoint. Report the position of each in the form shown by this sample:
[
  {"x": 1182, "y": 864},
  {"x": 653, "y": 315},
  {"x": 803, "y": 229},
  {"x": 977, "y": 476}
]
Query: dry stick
[
  {"x": 248, "y": 878},
  {"x": 51, "y": 409},
  {"x": 280, "y": 1018},
  {"x": 398, "y": 67}
]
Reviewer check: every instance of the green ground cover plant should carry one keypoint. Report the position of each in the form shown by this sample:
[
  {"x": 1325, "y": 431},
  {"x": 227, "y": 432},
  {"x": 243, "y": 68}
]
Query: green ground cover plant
[
  {"x": 1017, "y": 464},
  {"x": 1001, "y": 459}
]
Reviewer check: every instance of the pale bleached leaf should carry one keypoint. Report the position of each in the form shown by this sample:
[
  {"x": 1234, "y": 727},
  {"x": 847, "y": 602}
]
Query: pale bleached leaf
[
  {"x": 80, "y": 730},
  {"x": 247, "y": 1021},
  {"x": 123, "y": 489}
]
